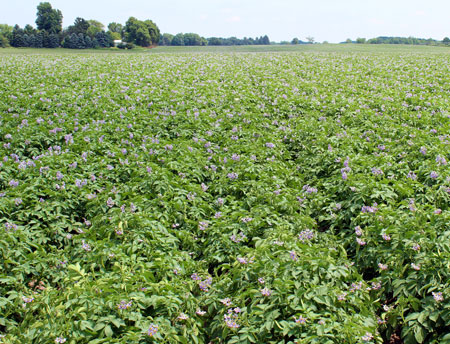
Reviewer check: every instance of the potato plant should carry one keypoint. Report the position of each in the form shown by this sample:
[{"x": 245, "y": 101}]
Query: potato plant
[{"x": 225, "y": 198}]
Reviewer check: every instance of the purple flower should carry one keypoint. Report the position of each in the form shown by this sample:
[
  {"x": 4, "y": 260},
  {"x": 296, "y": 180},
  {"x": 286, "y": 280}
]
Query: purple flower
[
  {"x": 266, "y": 292},
  {"x": 434, "y": 175},
  {"x": 60, "y": 340},
  {"x": 124, "y": 305},
  {"x": 438, "y": 296},
  {"x": 27, "y": 299},
  {"x": 270, "y": 145},
  {"x": 182, "y": 316},
  {"x": 342, "y": 296},
  {"x": 200, "y": 312},
  {"x": 85, "y": 246},
  {"x": 110, "y": 202},
  {"x": 386, "y": 237},
  {"x": 360, "y": 242},
  {"x": 306, "y": 235},
  {"x": 238, "y": 239},
  {"x": 203, "y": 225},
  {"x": 309, "y": 189},
  {"x": 242, "y": 260},
  {"x": 235, "y": 157},
  {"x": 204, "y": 285},
  {"x": 382, "y": 266},
  {"x": 300, "y": 320},
  {"x": 367, "y": 337},
  {"x": 411, "y": 175},
  {"x": 230, "y": 319},
  {"x": 152, "y": 330},
  {"x": 232, "y": 175},
  {"x": 369, "y": 209},
  {"x": 377, "y": 171},
  {"x": 415, "y": 266},
  {"x": 226, "y": 301},
  {"x": 293, "y": 255},
  {"x": 376, "y": 286},
  {"x": 13, "y": 183}
]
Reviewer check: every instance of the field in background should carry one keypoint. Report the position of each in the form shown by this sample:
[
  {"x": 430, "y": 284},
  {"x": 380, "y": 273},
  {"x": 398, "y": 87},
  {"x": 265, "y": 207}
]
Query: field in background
[{"x": 325, "y": 48}]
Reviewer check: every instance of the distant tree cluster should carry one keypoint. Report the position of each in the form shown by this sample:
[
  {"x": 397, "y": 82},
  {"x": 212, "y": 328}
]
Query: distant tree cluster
[
  {"x": 400, "y": 40},
  {"x": 193, "y": 39},
  {"x": 83, "y": 34},
  {"x": 142, "y": 33}
]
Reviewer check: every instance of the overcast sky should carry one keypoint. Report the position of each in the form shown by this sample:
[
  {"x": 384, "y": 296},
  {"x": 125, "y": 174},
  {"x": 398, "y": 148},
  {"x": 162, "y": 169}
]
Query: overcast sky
[{"x": 330, "y": 20}]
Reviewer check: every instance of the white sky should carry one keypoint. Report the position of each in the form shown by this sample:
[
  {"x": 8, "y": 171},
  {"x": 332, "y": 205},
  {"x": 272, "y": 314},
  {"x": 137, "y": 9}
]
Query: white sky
[{"x": 331, "y": 20}]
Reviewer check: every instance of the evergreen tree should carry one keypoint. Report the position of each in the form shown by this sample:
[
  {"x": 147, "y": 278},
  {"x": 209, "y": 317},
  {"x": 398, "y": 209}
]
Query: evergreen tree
[
  {"x": 81, "y": 42},
  {"x": 103, "y": 39},
  {"x": 36, "y": 40},
  {"x": 88, "y": 44},
  {"x": 17, "y": 39},
  {"x": 71, "y": 41},
  {"x": 50, "y": 40},
  {"x": 27, "y": 40}
]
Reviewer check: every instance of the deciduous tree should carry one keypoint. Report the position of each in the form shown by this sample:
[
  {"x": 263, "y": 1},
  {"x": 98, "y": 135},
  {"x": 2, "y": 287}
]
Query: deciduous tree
[{"x": 48, "y": 19}]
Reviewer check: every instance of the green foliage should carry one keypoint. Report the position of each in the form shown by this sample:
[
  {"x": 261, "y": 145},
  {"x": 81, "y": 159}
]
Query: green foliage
[
  {"x": 5, "y": 35},
  {"x": 95, "y": 27},
  {"x": 80, "y": 25},
  {"x": 178, "y": 40},
  {"x": 224, "y": 198},
  {"x": 48, "y": 19},
  {"x": 142, "y": 33},
  {"x": 166, "y": 39}
]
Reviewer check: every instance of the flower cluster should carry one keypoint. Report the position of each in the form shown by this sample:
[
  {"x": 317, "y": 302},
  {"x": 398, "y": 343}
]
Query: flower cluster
[
  {"x": 306, "y": 235},
  {"x": 300, "y": 320},
  {"x": 124, "y": 304},
  {"x": 152, "y": 330},
  {"x": 231, "y": 318}
]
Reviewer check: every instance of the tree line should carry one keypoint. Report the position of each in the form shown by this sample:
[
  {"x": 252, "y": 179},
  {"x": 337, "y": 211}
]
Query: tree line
[
  {"x": 399, "y": 40},
  {"x": 83, "y": 34},
  {"x": 194, "y": 39}
]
